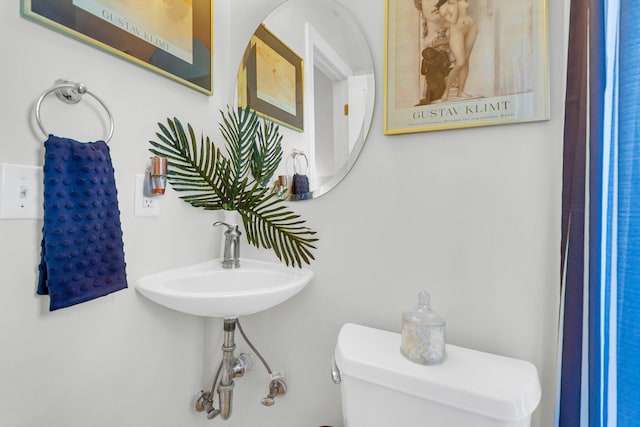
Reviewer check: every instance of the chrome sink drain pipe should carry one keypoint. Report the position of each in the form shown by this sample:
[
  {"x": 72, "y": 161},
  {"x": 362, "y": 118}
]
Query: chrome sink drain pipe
[
  {"x": 234, "y": 367},
  {"x": 225, "y": 389},
  {"x": 230, "y": 368}
]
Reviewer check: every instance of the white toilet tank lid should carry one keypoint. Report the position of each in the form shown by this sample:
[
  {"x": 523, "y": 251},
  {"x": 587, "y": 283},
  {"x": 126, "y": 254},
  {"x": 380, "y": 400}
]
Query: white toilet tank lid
[{"x": 495, "y": 386}]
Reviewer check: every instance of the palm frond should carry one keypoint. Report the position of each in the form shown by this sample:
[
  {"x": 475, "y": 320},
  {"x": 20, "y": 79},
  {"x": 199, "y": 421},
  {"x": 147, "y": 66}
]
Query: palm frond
[
  {"x": 193, "y": 168},
  {"x": 267, "y": 152},
  {"x": 239, "y": 130},
  {"x": 270, "y": 225},
  {"x": 207, "y": 179}
]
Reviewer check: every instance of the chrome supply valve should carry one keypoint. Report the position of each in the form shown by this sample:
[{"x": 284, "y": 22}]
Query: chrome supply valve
[
  {"x": 231, "y": 257},
  {"x": 277, "y": 387},
  {"x": 204, "y": 402},
  {"x": 242, "y": 363},
  {"x": 200, "y": 401}
]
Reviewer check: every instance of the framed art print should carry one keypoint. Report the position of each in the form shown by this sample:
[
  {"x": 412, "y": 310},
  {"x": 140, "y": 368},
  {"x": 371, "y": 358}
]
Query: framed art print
[
  {"x": 463, "y": 63},
  {"x": 171, "y": 37},
  {"x": 271, "y": 80}
]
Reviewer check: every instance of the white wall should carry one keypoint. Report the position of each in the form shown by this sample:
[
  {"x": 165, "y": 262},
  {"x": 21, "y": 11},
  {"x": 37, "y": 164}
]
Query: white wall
[{"x": 470, "y": 215}]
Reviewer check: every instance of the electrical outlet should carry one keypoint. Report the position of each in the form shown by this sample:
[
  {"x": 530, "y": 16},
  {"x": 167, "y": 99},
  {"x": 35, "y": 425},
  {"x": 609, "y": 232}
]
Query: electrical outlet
[{"x": 145, "y": 205}]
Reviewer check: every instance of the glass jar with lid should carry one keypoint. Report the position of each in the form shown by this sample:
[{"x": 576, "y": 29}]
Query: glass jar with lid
[{"x": 423, "y": 333}]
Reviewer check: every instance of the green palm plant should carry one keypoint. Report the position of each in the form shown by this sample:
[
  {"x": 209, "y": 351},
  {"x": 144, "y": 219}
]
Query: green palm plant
[{"x": 238, "y": 181}]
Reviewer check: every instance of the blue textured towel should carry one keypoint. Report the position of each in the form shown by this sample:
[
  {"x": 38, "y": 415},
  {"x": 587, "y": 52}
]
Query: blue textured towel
[
  {"x": 82, "y": 251},
  {"x": 300, "y": 187}
]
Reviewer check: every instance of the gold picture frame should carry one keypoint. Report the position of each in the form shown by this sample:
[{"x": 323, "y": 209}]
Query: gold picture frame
[
  {"x": 270, "y": 80},
  {"x": 173, "y": 37},
  {"x": 503, "y": 78}
]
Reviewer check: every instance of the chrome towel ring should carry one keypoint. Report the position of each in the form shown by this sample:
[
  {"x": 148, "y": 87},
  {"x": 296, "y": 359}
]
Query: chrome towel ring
[
  {"x": 71, "y": 93},
  {"x": 297, "y": 164}
]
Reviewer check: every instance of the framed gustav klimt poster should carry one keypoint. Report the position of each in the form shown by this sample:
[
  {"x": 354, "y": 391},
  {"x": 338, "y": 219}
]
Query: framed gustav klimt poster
[
  {"x": 171, "y": 37},
  {"x": 463, "y": 63}
]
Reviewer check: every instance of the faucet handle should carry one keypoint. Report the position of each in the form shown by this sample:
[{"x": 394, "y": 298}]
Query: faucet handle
[
  {"x": 232, "y": 230},
  {"x": 230, "y": 227}
]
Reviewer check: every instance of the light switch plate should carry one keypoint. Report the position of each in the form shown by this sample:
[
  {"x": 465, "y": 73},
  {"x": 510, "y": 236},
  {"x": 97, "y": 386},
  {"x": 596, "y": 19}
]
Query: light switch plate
[{"x": 21, "y": 192}]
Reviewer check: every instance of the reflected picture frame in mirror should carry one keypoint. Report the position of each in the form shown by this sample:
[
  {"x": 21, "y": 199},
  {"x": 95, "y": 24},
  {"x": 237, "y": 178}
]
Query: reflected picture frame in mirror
[
  {"x": 337, "y": 92},
  {"x": 271, "y": 81}
]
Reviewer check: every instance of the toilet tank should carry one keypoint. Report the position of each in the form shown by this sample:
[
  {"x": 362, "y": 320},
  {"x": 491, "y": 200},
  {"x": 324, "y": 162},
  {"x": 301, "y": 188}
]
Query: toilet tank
[{"x": 381, "y": 388}]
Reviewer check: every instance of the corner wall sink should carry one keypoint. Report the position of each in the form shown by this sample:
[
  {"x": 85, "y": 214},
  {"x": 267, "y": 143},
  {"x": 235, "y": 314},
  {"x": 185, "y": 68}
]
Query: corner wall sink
[{"x": 206, "y": 289}]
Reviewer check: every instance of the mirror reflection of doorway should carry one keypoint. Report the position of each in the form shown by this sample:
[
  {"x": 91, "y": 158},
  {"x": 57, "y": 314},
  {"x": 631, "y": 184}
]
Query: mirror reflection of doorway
[
  {"x": 331, "y": 77},
  {"x": 324, "y": 146}
]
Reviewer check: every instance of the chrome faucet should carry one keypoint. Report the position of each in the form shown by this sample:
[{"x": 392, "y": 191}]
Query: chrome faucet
[{"x": 231, "y": 258}]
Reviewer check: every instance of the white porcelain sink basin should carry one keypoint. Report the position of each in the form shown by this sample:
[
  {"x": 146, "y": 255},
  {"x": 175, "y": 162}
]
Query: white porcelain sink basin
[{"x": 206, "y": 289}]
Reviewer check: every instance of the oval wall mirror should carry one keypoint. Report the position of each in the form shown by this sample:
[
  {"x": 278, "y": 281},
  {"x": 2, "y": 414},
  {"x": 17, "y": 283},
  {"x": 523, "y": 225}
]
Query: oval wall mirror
[{"x": 308, "y": 67}]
